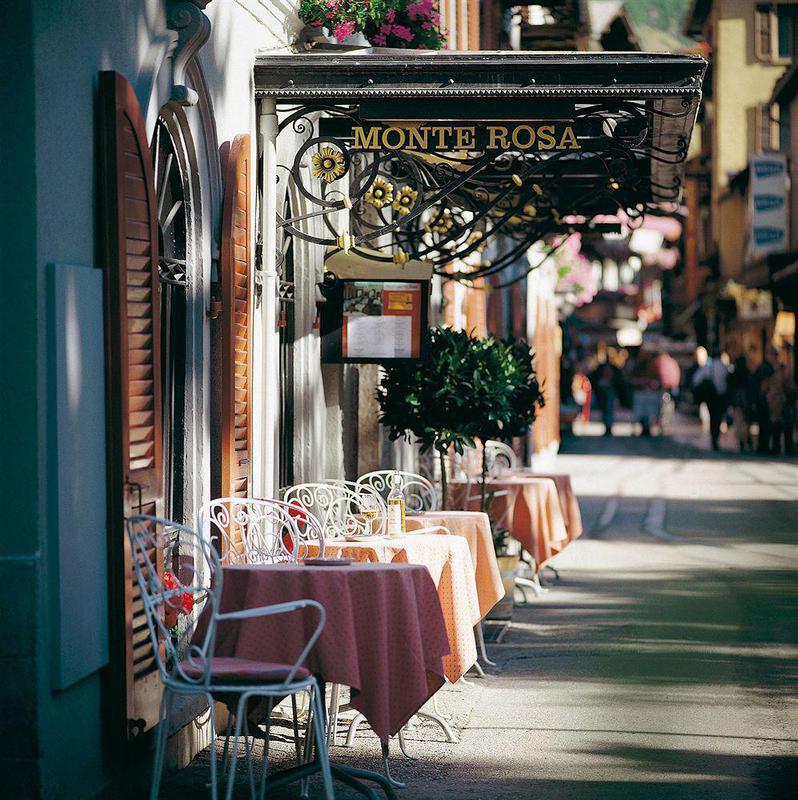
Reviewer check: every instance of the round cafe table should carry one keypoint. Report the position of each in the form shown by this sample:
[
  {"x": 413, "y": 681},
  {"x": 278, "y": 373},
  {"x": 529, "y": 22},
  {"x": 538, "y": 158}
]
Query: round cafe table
[
  {"x": 449, "y": 563},
  {"x": 384, "y": 636},
  {"x": 568, "y": 501},
  {"x": 528, "y": 506},
  {"x": 474, "y": 527}
]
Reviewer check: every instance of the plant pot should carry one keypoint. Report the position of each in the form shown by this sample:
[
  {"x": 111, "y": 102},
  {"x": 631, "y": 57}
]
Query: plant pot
[{"x": 508, "y": 567}]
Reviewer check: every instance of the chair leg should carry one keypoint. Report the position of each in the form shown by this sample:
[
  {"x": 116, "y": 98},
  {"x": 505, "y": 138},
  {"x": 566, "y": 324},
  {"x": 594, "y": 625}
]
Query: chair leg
[
  {"x": 332, "y": 720},
  {"x": 248, "y": 752},
  {"x": 308, "y": 741},
  {"x": 297, "y": 738},
  {"x": 321, "y": 747},
  {"x": 160, "y": 745},
  {"x": 240, "y": 713},
  {"x": 214, "y": 788},
  {"x": 226, "y": 749},
  {"x": 265, "y": 761}
]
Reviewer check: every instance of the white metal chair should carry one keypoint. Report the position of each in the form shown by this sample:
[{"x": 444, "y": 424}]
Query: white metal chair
[
  {"x": 179, "y": 572},
  {"x": 339, "y": 507},
  {"x": 500, "y": 456},
  {"x": 420, "y": 493},
  {"x": 245, "y": 530}
]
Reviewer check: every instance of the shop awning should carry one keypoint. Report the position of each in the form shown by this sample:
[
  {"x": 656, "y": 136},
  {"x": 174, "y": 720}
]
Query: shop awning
[{"x": 446, "y": 150}]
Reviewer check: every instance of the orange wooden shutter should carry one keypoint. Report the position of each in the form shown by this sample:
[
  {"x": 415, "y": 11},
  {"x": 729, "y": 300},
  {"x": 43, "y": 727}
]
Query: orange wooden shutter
[
  {"x": 128, "y": 235},
  {"x": 236, "y": 322}
]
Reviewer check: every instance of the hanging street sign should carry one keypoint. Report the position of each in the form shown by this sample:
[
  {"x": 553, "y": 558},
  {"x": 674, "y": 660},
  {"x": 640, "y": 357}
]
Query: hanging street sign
[
  {"x": 455, "y": 137},
  {"x": 438, "y": 153}
]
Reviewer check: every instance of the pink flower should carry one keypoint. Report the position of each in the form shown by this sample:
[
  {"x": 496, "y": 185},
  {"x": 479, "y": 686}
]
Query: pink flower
[
  {"x": 343, "y": 30},
  {"x": 403, "y": 32},
  {"x": 385, "y": 29},
  {"x": 316, "y": 23},
  {"x": 390, "y": 14},
  {"x": 330, "y": 15},
  {"x": 380, "y": 40},
  {"x": 426, "y": 25}
]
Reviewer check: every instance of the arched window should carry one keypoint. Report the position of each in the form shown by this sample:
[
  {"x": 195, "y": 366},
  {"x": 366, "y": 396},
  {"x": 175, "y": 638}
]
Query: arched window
[{"x": 172, "y": 210}]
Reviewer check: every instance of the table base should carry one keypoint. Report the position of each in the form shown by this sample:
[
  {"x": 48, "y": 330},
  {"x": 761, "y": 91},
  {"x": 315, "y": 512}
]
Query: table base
[{"x": 351, "y": 776}]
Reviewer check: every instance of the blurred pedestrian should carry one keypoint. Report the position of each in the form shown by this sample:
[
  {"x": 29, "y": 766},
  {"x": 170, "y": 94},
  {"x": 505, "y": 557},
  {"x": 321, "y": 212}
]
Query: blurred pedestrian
[
  {"x": 743, "y": 400},
  {"x": 762, "y": 375},
  {"x": 607, "y": 382},
  {"x": 710, "y": 386},
  {"x": 778, "y": 391},
  {"x": 670, "y": 375},
  {"x": 645, "y": 380}
]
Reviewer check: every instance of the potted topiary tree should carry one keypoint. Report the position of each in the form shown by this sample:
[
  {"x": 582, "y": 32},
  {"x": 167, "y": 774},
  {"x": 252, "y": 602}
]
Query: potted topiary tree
[
  {"x": 427, "y": 399},
  {"x": 506, "y": 395}
]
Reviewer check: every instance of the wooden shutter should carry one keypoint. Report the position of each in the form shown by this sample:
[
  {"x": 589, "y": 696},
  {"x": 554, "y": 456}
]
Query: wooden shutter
[
  {"x": 236, "y": 322},
  {"x": 128, "y": 236}
]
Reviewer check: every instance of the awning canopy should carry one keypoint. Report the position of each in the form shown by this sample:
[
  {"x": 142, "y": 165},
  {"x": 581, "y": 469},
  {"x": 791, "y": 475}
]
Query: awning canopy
[{"x": 445, "y": 150}]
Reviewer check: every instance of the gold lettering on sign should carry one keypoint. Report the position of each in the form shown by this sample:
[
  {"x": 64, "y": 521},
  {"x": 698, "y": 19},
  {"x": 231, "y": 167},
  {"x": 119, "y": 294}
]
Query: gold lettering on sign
[
  {"x": 497, "y": 137},
  {"x": 449, "y": 138},
  {"x": 546, "y": 140},
  {"x": 524, "y": 137},
  {"x": 398, "y": 141},
  {"x": 440, "y": 131},
  {"x": 568, "y": 141},
  {"x": 465, "y": 138},
  {"x": 366, "y": 140},
  {"x": 418, "y": 139}
]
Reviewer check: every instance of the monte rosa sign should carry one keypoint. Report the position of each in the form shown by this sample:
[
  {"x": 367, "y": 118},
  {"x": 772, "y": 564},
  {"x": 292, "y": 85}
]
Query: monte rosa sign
[{"x": 447, "y": 138}]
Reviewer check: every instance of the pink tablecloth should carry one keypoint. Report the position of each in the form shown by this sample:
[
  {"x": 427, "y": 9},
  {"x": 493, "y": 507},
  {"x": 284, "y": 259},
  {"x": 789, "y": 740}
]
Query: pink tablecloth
[
  {"x": 449, "y": 563},
  {"x": 474, "y": 527},
  {"x": 385, "y": 636}
]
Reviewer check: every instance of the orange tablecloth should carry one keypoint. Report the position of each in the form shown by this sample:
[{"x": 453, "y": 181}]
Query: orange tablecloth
[
  {"x": 474, "y": 527},
  {"x": 568, "y": 502},
  {"x": 448, "y": 560},
  {"x": 530, "y": 511}
]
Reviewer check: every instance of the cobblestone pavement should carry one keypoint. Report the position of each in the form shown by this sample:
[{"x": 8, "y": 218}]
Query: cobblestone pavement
[{"x": 661, "y": 665}]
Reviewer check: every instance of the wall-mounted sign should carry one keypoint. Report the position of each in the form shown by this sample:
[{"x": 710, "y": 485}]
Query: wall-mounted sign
[
  {"x": 451, "y": 137},
  {"x": 373, "y": 321},
  {"x": 767, "y": 205}
]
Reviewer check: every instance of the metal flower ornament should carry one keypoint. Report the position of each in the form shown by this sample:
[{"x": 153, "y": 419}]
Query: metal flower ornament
[
  {"x": 328, "y": 164},
  {"x": 380, "y": 193}
]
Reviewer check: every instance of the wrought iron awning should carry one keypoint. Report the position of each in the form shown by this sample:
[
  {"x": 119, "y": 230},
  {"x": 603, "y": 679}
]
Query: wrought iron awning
[{"x": 445, "y": 150}]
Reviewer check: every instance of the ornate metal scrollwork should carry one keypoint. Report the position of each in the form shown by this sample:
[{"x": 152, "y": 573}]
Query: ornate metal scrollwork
[{"x": 446, "y": 206}]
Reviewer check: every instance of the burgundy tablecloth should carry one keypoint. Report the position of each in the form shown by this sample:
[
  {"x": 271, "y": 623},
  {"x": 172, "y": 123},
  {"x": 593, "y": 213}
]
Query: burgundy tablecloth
[{"x": 385, "y": 635}]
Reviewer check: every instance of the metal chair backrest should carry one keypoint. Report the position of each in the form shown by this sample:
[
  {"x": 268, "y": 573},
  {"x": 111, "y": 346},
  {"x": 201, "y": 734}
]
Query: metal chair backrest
[
  {"x": 500, "y": 456},
  {"x": 177, "y": 573},
  {"x": 419, "y": 492},
  {"x": 176, "y": 568},
  {"x": 244, "y": 530},
  {"x": 340, "y": 507}
]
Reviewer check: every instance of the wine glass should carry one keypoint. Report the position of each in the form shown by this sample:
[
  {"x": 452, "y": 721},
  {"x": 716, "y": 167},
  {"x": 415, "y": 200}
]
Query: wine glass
[{"x": 370, "y": 509}]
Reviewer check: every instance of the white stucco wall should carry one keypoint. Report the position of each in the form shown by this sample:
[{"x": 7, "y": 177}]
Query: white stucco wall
[{"x": 73, "y": 42}]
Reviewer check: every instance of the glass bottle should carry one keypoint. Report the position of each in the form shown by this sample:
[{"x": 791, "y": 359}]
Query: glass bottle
[{"x": 396, "y": 507}]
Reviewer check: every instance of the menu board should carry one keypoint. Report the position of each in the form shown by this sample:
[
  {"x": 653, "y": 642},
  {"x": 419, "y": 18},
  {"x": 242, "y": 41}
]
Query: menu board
[{"x": 374, "y": 321}]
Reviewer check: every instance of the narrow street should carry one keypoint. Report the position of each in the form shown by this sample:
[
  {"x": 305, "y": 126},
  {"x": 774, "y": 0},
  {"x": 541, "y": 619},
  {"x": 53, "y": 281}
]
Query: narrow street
[{"x": 661, "y": 665}]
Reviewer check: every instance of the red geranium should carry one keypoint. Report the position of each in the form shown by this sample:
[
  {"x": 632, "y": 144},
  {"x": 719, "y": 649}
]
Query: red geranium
[{"x": 181, "y": 604}]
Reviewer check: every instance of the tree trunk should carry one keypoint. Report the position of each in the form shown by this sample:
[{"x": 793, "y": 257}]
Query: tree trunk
[
  {"x": 444, "y": 485},
  {"x": 482, "y": 503}
]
